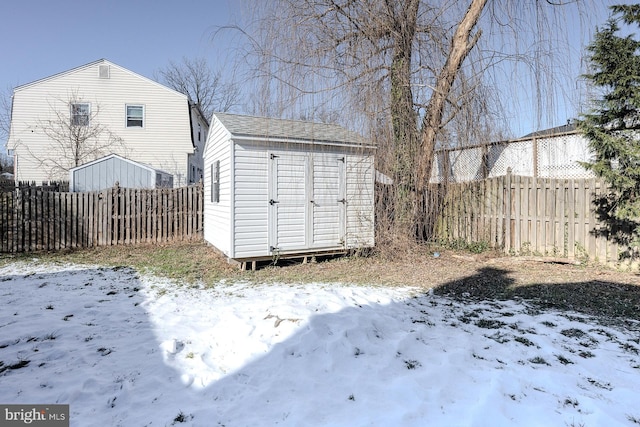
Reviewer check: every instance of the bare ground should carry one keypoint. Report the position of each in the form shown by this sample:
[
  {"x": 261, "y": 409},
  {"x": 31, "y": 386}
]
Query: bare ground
[{"x": 548, "y": 283}]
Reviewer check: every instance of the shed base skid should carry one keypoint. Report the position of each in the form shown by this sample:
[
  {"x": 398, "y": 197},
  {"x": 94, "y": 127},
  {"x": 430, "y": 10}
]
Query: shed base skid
[{"x": 252, "y": 263}]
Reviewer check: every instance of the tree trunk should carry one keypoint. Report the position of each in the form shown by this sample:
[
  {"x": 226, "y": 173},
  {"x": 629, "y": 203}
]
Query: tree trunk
[
  {"x": 403, "y": 118},
  {"x": 461, "y": 45}
]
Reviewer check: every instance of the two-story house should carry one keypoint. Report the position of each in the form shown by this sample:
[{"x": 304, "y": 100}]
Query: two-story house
[
  {"x": 101, "y": 108},
  {"x": 199, "y": 131}
]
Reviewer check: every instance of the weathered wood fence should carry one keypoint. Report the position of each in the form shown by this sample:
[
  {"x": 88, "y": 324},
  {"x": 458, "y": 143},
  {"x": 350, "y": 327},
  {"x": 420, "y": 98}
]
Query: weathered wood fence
[
  {"x": 33, "y": 219},
  {"x": 526, "y": 216}
]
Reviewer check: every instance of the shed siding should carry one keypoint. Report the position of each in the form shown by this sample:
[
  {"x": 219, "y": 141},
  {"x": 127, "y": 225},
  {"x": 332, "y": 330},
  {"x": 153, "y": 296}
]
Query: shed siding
[
  {"x": 104, "y": 174},
  {"x": 328, "y": 182},
  {"x": 163, "y": 143},
  {"x": 251, "y": 208},
  {"x": 217, "y": 216},
  {"x": 288, "y": 217}
]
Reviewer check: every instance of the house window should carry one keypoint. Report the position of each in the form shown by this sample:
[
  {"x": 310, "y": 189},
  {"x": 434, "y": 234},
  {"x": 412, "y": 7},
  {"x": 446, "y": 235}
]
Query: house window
[
  {"x": 80, "y": 114},
  {"x": 215, "y": 182},
  {"x": 135, "y": 116}
]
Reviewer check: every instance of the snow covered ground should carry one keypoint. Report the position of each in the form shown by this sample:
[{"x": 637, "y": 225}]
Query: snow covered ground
[{"x": 125, "y": 349}]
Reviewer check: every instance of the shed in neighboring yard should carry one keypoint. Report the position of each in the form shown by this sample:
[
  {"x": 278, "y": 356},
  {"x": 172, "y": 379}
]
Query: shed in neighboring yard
[
  {"x": 105, "y": 172},
  {"x": 284, "y": 188}
]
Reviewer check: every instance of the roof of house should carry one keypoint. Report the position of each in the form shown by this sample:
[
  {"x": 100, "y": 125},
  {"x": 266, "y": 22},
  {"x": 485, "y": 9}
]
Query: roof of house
[
  {"x": 289, "y": 130},
  {"x": 569, "y": 127}
]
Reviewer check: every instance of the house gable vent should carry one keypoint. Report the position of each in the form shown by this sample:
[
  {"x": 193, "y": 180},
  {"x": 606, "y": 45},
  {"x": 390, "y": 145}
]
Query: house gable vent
[{"x": 104, "y": 72}]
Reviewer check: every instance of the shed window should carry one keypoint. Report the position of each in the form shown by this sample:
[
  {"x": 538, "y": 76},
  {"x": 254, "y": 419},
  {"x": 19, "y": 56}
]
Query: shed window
[
  {"x": 80, "y": 113},
  {"x": 215, "y": 182},
  {"x": 135, "y": 116}
]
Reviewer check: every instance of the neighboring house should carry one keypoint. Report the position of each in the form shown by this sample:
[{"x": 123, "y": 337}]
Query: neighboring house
[
  {"x": 112, "y": 170},
  {"x": 116, "y": 110},
  {"x": 281, "y": 188},
  {"x": 199, "y": 131}
]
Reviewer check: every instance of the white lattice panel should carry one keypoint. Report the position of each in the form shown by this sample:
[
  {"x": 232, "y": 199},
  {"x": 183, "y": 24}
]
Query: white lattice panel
[
  {"x": 516, "y": 155},
  {"x": 557, "y": 157}
]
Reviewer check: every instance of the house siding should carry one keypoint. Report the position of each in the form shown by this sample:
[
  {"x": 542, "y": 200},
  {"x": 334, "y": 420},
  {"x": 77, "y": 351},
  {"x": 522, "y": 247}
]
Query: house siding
[
  {"x": 163, "y": 143},
  {"x": 199, "y": 131}
]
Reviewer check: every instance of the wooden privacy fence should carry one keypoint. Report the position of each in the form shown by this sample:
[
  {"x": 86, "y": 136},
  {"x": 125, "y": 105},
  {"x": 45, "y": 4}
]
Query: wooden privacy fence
[
  {"x": 33, "y": 219},
  {"x": 525, "y": 216}
]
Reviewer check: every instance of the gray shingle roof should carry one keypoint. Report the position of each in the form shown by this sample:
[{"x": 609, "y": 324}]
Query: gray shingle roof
[{"x": 264, "y": 127}]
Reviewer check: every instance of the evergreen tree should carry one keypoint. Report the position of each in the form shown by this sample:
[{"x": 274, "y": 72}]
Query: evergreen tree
[{"x": 612, "y": 127}]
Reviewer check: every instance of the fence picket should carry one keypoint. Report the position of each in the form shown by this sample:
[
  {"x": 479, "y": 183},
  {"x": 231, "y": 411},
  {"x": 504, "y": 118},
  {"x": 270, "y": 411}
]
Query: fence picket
[
  {"x": 34, "y": 219},
  {"x": 517, "y": 214}
]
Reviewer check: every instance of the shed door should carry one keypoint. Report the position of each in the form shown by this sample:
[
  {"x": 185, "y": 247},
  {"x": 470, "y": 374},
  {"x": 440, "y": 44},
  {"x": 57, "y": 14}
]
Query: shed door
[
  {"x": 287, "y": 199},
  {"x": 328, "y": 200}
]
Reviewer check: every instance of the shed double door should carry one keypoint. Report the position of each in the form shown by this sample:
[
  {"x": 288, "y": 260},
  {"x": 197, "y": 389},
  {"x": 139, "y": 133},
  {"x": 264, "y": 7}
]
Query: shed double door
[{"x": 307, "y": 201}]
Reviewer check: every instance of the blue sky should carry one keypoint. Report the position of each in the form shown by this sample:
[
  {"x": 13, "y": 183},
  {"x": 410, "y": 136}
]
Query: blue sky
[
  {"x": 40, "y": 38},
  {"x": 44, "y": 37}
]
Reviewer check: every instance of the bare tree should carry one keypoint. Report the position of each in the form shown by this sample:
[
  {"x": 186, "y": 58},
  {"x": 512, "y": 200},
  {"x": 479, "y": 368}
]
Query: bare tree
[
  {"x": 204, "y": 86},
  {"x": 75, "y": 137},
  {"x": 6, "y": 163},
  {"x": 410, "y": 69},
  {"x": 5, "y": 112}
]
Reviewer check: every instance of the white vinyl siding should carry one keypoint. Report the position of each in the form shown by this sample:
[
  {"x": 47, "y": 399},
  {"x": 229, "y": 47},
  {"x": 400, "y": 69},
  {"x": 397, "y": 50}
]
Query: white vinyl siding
[
  {"x": 218, "y": 149},
  {"x": 328, "y": 200},
  {"x": 165, "y": 144},
  {"x": 288, "y": 201},
  {"x": 251, "y": 202}
]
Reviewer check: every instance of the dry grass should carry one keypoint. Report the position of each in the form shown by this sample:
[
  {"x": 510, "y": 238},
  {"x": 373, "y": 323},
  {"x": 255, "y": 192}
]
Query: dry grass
[{"x": 489, "y": 275}]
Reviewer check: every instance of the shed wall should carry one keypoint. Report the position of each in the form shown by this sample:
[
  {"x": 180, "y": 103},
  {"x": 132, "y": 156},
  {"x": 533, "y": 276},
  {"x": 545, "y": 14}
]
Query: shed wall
[
  {"x": 253, "y": 223},
  {"x": 217, "y": 216},
  {"x": 104, "y": 174},
  {"x": 251, "y": 202},
  {"x": 328, "y": 192}
]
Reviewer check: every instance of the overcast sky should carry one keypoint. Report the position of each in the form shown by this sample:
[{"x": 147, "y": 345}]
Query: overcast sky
[{"x": 40, "y": 38}]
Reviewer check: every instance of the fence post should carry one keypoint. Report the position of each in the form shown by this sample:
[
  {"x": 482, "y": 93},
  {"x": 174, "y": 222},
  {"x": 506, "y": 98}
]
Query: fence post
[{"x": 507, "y": 207}]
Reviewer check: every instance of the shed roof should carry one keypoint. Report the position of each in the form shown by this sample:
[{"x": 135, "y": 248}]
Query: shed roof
[
  {"x": 115, "y": 156},
  {"x": 291, "y": 130}
]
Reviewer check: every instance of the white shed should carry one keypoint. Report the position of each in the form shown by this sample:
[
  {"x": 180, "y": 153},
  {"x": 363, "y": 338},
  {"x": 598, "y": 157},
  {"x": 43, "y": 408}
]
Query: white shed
[
  {"x": 106, "y": 171},
  {"x": 283, "y": 188}
]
